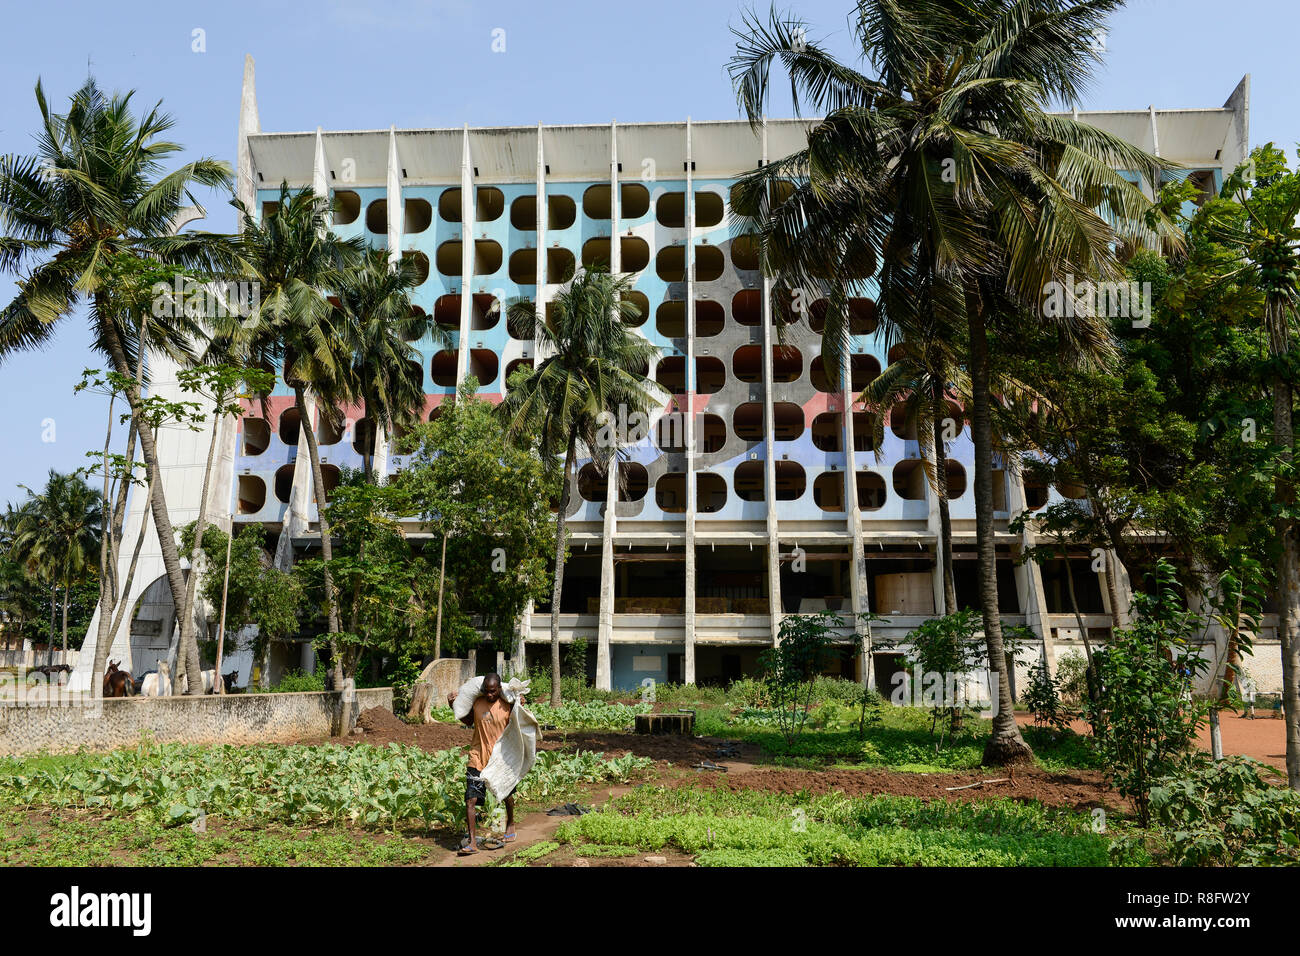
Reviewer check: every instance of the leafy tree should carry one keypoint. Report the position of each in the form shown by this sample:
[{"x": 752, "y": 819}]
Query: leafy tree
[
  {"x": 595, "y": 366},
  {"x": 1263, "y": 230},
  {"x": 487, "y": 499},
  {"x": 946, "y": 175},
  {"x": 805, "y": 648},
  {"x": 57, "y": 537},
  {"x": 946, "y": 650},
  {"x": 93, "y": 194},
  {"x": 369, "y": 566},
  {"x": 1043, "y": 698},
  {"x": 21, "y": 599}
]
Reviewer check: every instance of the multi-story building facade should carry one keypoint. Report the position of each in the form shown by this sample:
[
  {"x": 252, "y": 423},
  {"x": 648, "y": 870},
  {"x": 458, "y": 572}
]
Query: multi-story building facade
[{"x": 757, "y": 491}]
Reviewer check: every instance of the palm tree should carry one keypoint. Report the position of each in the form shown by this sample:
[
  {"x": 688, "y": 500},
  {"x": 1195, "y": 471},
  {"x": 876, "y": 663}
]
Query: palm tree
[
  {"x": 1267, "y": 238},
  {"x": 58, "y": 535},
  {"x": 595, "y": 365},
  {"x": 386, "y": 374},
  {"x": 19, "y": 599},
  {"x": 947, "y": 169},
  {"x": 95, "y": 193},
  {"x": 297, "y": 262}
]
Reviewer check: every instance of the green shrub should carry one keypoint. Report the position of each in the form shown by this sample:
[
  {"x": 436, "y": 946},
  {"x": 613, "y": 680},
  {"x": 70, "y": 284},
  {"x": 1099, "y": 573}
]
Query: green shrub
[
  {"x": 402, "y": 677},
  {"x": 1044, "y": 700},
  {"x": 836, "y": 689},
  {"x": 1224, "y": 814},
  {"x": 748, "y": 692},
  {"x": 1072, "y": 677},
  {"x": 793, "y": 667},
  {"x": 589, "y": 715},
  {"x": 297, "y": 681},
  {"x": 1144, "y": 717},
  {"x": 713, "y": 722}
]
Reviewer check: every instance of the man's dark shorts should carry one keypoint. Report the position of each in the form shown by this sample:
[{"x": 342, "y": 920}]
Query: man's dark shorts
[{"x": 476, "y": 786}]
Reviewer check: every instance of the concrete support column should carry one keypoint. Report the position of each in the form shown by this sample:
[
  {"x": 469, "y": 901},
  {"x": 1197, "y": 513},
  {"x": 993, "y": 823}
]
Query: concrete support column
[
  {"x": 689, "y": 411},
  {"x": 609, "y": 527},
  {"x": 859, "y": 593},
  {"x": 934, "y": 525},
  {"x": 297, "y": 514},
  {"x": 1029, "y": 576},
  {"x": 543, "y": 291},
  {"x": 467, "y": 211},
  {"x": 396, "y": 230},
  {"x": 769, "y": 465}
]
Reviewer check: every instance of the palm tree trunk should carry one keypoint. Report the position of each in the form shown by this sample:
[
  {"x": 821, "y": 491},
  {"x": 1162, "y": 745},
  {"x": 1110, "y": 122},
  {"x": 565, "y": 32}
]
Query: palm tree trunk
[
  {"x": 196, "y": 552},
  {"x": 326, "y": 546},
  {"x": 945, "y": 517},
  {"x": 442, "y": 578},
  {"x": 1288, "y": 565},
  {"x": 1005, "y": 745},
  {"x": 65, "y": 619},
  {"x": 560, "y": 520},
  {"x": 49, "y": 647},
  {"x": 157, "y": 500}
]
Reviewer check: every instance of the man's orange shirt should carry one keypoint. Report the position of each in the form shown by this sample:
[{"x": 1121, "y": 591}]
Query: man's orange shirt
[{"x": 489, "y": 724}]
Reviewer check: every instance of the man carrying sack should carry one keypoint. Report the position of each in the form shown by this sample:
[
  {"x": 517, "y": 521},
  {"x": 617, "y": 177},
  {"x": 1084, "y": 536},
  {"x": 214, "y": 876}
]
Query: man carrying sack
[{"x": 503, "y": 750}]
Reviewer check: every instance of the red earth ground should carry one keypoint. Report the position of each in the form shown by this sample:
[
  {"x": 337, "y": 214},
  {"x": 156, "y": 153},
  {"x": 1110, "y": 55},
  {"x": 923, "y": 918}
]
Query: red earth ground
[{"x": 1263, "y": 738}]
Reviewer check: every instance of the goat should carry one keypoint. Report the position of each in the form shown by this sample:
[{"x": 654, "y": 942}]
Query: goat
[
  {"x": 117, "y": 683},
  {"x": 158, "y": 684}
]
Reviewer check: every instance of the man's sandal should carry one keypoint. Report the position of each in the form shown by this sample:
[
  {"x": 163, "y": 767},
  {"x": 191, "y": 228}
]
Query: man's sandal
[{"x": 508, "y": 837}]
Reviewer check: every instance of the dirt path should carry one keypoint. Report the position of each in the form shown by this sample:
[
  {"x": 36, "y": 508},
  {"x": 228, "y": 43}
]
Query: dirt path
[
  {"x": 529, "y": 829},
  {"x": 1263, "y": 738}
]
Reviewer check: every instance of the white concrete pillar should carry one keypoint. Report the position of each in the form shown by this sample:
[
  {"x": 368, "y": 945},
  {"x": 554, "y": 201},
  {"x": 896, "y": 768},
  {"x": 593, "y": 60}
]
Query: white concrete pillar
[
  {"x": 859, "y": 593},
  {"x": 467, "y": 213},
  {"x": 609, "y": 525},
  {"x": 1029, "y": 576},
  {"x": 692, "y": 502},
  {"x": 769, "y": 466}
]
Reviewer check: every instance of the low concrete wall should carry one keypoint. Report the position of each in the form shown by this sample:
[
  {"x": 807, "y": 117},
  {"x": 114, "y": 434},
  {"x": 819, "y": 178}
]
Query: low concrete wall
[
  {"x": 31, "y": 659},
  {"x": 213, "y": 719},
  {"x": 445, "y": 676}
]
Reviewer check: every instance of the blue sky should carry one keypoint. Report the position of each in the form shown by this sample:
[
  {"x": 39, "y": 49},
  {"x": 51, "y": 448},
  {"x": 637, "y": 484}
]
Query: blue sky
[{"x": 419, "y": 63}]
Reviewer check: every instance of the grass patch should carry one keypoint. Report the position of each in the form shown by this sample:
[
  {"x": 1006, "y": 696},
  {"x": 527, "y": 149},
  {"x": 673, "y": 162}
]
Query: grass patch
[
  {"x": 899, "y": 740},
  {"x": 752, "y": 828},
  {"x": 82, "y": 840}
]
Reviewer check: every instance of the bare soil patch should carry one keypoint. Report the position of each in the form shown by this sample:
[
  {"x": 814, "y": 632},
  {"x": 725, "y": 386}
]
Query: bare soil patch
[
  {"x": 1263, "y": 738},
  {"x": 1075, "y": 790}
]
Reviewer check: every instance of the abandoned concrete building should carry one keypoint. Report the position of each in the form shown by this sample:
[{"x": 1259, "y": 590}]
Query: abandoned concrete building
[{"x": 685, "y": 573}]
